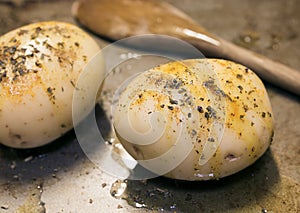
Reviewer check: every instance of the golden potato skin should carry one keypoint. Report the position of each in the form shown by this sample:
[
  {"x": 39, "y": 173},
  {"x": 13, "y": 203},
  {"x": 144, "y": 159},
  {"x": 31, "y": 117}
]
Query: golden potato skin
[
  {"x": 39, "y": 67},
  {"x": 248, "y": 123}
]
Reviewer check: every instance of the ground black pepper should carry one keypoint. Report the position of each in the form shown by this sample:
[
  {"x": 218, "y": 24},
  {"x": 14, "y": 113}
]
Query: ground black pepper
[
  {"x": 200, "y": 109},
  {"x": 240, "y": 88},
  {"x": 170, "y": 107},
  {"x": 211, "y": 113},
  {"x": 172, "y": 101},
  {"x": 239, "y": 76},
  {"x": 246, "y": 108},
  {"x": 211, "y": 139}
]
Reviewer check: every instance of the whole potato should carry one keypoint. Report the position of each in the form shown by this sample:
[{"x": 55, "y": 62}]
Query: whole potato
[
  {"x": 196, "y": 119},
  {"x": 39, "y": 67}
]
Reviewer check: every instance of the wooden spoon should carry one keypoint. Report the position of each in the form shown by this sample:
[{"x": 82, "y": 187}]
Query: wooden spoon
[{"x": 117, "y": 19}]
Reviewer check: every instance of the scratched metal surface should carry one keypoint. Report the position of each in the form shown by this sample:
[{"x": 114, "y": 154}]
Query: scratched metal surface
[{"x": 71, "y": 183}]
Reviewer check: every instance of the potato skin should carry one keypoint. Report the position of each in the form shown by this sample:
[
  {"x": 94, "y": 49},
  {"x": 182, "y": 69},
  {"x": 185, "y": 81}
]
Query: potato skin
[
  {"x": 39, "y": 67},
  {"x": 248, "y": 123}
]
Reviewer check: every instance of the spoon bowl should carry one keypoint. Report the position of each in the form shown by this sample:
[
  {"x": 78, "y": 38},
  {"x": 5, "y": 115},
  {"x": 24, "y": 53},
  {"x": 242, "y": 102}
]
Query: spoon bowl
[{"x": 117, "y": 19}]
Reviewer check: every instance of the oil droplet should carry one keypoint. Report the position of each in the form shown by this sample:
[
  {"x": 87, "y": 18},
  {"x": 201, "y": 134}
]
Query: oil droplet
[
  {"x": 118, "y": 188},
  {"x": 248, "y": 39},
  {"x": 140, "y": 205},
  {"x": 140, "y": 194},
  {"x": 204, "y": 176},
  {"x": 172, "y": 207}
]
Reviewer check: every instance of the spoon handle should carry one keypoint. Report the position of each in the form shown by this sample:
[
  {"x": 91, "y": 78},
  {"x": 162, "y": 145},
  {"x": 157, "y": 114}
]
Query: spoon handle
[{"x": 269, "y": 70}]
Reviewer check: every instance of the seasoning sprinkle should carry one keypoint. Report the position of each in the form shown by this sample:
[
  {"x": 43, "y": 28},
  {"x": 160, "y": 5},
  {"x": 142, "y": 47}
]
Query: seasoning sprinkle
[
  {"x": 170, "y": 107},
  {"x": 200, "y": 109},
  {"x": 239, "y": 76},
  {"x": 172, "y": 101}
]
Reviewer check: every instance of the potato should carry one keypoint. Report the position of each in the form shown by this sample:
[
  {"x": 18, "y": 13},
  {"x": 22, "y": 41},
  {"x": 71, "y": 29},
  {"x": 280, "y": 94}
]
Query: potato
[
  {"x": 39, "y": 67},
  {"x": 195, "y": 119}
]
